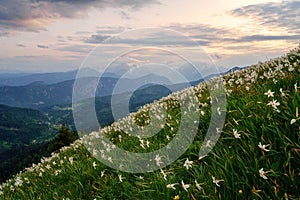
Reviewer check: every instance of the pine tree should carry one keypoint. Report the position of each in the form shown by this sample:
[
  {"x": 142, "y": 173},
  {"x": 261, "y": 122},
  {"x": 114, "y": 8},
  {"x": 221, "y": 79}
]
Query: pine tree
[{"x": 64, "y": 138}]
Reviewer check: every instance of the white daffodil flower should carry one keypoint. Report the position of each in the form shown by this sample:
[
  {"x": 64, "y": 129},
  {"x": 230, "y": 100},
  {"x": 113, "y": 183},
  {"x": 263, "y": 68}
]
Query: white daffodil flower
[{"x": 188, "y": 163}]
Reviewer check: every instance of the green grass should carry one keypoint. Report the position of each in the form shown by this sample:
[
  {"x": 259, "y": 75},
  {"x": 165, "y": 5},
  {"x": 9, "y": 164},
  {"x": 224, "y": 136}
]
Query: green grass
[{"x": 75, "y": 174}]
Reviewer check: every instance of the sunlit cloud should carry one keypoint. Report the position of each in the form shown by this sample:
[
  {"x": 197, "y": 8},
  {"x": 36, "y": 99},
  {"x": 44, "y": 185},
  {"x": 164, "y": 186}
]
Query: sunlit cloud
[{"x": 285, "y": 14}]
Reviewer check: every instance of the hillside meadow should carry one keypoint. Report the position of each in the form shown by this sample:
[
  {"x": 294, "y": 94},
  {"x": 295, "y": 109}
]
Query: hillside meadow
[{"x": 256, "y": 157}]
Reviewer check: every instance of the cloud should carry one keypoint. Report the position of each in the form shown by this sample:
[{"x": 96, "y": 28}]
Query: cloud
[
  {"x": 111, "y": 29},
  {"x": 85, "y": 49},
  {"x": 69, "y": 1},
  {"x": 124, "y": 15},
  {"x": 42, "y": 46},
  {"x": 204, "y": 34},
  {"x": 82, "y": 32},
  {"x": 208, "y": 35},
  {"x": 35, "y": 15},
  {"x": 161, "y": 36},
  {"x": 285, "y": 14},
  {"x": 96, "y": 39},
  {"x": 22, "y": 15},
  {"x": 21, "y": 45},
  {"x": 282, "y": 16},
  {"x": 134, "y": 4},
  {"x": 216, "y": 56},
  {"x": 253, "y": 38},
  {"x": 4, "y": 33}
]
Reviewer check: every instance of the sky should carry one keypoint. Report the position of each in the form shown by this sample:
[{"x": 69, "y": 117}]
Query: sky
[{"x": 59, "y": 35}]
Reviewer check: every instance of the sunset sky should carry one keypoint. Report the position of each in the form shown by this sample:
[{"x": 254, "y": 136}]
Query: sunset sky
[{"x": 56, "y": 35}]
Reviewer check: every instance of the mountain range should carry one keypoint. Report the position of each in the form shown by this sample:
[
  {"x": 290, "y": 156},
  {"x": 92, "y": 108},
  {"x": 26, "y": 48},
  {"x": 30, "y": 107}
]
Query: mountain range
[
  {"x": 49, "y": 89},
  {"x": 22, "y": 79},
  {"x": 38, "y": 94}
]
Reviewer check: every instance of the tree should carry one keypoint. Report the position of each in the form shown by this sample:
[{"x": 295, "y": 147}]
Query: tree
[{"x": 64, "y": 138}]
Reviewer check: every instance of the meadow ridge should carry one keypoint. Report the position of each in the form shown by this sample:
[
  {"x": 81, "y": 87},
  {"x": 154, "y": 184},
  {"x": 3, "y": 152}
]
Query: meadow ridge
[{"x": 256, "y": 157}]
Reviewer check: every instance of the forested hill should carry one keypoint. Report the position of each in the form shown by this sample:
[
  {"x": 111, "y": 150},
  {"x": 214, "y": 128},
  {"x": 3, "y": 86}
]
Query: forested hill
[
  {"x": 22, "y": 133},
  {"x": 17, "y": 125}
]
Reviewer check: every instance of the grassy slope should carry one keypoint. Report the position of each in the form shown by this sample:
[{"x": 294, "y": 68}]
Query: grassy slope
[{"x": 73, "y": 173}]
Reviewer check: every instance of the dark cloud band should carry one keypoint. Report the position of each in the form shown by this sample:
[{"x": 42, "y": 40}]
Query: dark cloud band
[
  {"x": 33, "y": 15},
  {"x": 42, "y": 46}
]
